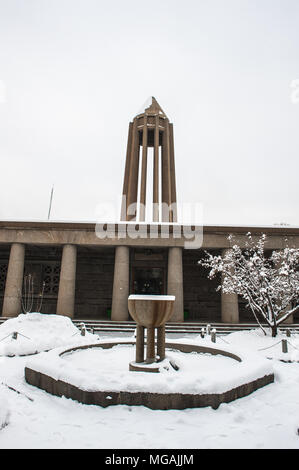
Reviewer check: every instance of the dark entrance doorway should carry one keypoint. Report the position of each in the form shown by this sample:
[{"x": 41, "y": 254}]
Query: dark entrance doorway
[{"x": 148, "y": 281}]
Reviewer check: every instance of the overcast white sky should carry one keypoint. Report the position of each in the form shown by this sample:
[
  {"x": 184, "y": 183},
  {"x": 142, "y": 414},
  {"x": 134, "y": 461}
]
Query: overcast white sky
[{"x": 73, "y": 73}]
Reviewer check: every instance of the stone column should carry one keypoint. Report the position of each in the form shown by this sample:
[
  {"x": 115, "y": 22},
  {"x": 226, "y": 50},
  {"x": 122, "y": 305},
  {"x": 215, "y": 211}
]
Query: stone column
[
  {"x": 150, "y": 345},
  {"x": 67, "y": 282},
  {"x": 175, "y": 282},
  {"x": 161, "y": 342},
  {"x": 139, "y": 343},
  {"x": 290, "y": 319},
  {"x": 229, "y": 304},
  {"x": 14, "y": 281},
  {"x": 121, "y": 284}
]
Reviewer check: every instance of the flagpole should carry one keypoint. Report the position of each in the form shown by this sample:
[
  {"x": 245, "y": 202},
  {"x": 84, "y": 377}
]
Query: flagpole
[{"x": 50, "y": 205}]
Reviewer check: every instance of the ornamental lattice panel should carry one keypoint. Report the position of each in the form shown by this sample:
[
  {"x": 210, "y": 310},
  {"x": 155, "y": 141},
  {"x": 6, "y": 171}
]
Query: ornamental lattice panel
[{"x": 50, "y": 277}]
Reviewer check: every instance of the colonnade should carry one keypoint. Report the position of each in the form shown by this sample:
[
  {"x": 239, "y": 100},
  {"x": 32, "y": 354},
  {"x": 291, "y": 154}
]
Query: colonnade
[
  {"x": 66, "y": 293},
  {"x": 67, "y": 282}
]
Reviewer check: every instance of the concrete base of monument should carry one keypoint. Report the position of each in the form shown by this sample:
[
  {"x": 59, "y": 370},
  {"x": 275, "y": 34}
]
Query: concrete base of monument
[
  {"x": 165, "y": 365},
  {"x": 192, "y": 375}
]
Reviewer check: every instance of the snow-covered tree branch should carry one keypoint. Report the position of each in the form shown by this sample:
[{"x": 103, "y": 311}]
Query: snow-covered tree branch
[{"x": 269, "y": 284}]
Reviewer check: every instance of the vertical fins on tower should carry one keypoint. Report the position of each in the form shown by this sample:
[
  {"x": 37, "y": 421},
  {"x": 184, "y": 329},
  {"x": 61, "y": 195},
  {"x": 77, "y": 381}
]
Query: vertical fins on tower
[{"x": 151, "y": 128}]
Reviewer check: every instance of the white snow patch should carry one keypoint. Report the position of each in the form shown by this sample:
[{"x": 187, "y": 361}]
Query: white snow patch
[
  {"x": 267, "y": 346},
  {"x": 39, "y": 332}
]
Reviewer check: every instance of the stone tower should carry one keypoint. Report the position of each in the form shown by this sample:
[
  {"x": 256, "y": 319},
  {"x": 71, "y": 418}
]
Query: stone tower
[
  {"x": 149, "y": 129},
  {"x": 152, "y": 130}
]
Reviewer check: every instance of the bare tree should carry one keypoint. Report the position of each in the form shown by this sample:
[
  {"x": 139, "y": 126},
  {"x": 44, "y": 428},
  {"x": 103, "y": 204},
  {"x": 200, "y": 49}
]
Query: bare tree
[
  {"x": 270, "y": 285},
  {"x": 28, "y": 295}
]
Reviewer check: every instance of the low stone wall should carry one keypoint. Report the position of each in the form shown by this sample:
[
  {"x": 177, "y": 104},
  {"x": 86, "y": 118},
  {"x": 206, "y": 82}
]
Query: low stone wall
[{"x": 155, "y": 401}]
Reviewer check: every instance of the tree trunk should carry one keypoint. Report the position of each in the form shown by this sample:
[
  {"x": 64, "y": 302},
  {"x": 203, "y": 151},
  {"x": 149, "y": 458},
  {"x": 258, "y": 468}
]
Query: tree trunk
[{"x": 274, "y": 331}]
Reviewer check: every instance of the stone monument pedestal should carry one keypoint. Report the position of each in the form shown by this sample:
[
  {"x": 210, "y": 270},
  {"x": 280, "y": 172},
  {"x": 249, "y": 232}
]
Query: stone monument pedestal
[{"x": 150, "y": 312}]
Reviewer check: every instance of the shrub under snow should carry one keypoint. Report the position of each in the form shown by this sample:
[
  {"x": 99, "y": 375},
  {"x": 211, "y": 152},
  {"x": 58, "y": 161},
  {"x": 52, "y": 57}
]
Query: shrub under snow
[{"x": 39, "y": 332}]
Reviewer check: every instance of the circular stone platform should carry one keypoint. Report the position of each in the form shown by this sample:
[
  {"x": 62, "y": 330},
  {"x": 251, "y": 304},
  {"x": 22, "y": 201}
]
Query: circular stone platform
[{"x": 98, "y": 374}]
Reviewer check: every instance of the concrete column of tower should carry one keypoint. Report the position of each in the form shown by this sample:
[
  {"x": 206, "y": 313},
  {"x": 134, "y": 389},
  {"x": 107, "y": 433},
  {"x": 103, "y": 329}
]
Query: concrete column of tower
[
  {"x": 172, "y": 175},
  {"x": 156, "y": 172},
  {"x": 133, "y": 174},
  {"x": 121, "y": 283},
  {"x": 67, "y": 281},
  {"x": 166, "y": 179},
  {"x": 143, "y": 171},
  {"x": 126, "y": 176},
  {"x": 175, "y": 282},
  {"x": 14, "y": 281},
  {"x": 229, "y": 304}
]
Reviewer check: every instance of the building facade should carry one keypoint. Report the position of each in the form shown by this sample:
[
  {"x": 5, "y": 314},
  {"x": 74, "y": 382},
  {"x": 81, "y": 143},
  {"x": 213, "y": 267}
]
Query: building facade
[{"x": 87, "y": 271}]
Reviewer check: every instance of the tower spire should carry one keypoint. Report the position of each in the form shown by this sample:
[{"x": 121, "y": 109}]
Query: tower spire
[{"x": 154, "y": 108}]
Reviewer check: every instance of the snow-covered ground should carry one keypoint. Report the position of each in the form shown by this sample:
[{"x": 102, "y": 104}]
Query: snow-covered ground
[{"x": 268, "y": 418}]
